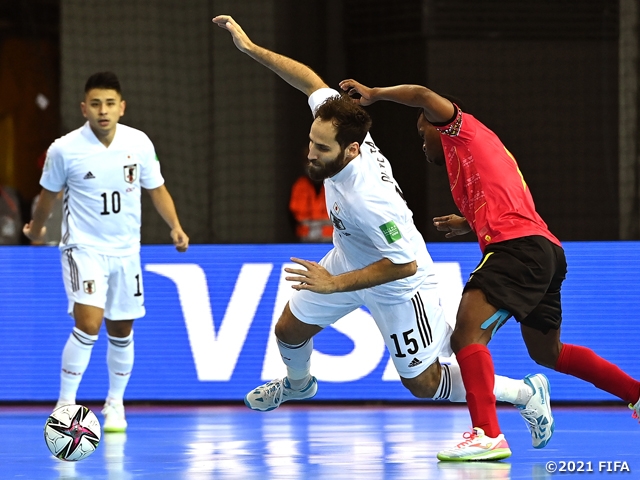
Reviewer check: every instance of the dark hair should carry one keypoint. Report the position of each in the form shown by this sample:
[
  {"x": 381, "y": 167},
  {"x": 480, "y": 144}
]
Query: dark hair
[
  {"x": 352, "y": 122},
  {"x": 104, "y": 81}
]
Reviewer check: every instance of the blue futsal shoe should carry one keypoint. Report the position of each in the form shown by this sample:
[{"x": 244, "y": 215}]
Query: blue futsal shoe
[{"x": 537, "y": 412}]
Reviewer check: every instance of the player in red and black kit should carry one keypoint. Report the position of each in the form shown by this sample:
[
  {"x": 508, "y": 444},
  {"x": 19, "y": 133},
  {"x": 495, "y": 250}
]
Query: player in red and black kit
[{"x": 520, "y": 275}]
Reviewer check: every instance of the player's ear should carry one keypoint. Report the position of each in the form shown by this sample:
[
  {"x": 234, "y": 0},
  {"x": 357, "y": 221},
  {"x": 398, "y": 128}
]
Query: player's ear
[
  {"x": 83, "y": 109},
  {"x": 353, "y": 150},
  {"x": 123, "y": 106}
]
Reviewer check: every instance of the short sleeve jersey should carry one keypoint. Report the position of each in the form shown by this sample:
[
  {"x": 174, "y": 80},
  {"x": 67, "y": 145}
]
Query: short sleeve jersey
[
  {"x": 102, "y": 187},
  {"x": 487, "y": 185},
  {"x": 371, "y": 219}
]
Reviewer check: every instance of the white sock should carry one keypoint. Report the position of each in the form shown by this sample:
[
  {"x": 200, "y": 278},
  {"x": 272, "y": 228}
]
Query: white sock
[
  {"x": 512, "y": 391},
  {"x": 506, "y": 389},
  {"x": 75, "y": 359},
  {"x": 451, "y": 387},
  {"x": 297, "y": 358},
  {"x": 120, "y": 356}
]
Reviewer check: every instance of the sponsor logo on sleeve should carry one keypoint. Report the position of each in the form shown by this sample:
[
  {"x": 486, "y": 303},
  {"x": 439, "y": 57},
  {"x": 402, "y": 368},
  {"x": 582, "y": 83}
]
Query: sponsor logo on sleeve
[{"x": 391, "y": 232}]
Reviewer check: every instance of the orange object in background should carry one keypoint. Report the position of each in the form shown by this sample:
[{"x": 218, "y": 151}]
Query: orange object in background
[{"x": 308, "y": 207}]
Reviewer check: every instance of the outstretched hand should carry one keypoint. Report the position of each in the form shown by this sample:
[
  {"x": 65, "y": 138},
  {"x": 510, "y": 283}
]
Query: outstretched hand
[
  {"x": 452, "y": 224},
  {"x": 241, "y": 39},
  {"x": 359, "y": 93},
  {"x": 315, "y": 277}
]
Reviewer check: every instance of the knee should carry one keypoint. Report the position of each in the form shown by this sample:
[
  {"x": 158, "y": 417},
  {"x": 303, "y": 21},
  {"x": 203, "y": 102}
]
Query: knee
[
  {"x": 282, "y": 332},
  {"x": 456, "y": 342},
  {"x": 291, "y": 331},
  {"x": 426, "y": 384},
  {"x": 461, "y": 339},
  {"x": 545, "y": 357}
]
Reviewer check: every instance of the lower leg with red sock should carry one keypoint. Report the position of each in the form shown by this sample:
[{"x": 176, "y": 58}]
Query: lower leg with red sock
[
  {"x": 585, "y": 364},
  {"x": 476, "y": 368}
]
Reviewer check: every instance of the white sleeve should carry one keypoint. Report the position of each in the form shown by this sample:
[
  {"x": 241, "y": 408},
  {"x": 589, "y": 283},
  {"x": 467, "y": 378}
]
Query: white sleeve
[
  {"x": 150, "y": 175},
  {"x": 319, "y": 96},
  {"x": 54, "y": 175},
  {"x": 387, "y": 229}
]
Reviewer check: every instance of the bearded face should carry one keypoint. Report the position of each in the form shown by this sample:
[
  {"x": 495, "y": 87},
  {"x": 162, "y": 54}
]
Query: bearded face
[
  {"x": 326, "y": 157},
  {"x": 318, "y": 170}
]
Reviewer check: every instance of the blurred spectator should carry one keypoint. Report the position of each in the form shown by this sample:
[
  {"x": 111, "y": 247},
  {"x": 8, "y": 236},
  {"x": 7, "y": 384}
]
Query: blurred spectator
[
  {"x": 10, "y": 217},
  {"x": 309, "y": 210}
]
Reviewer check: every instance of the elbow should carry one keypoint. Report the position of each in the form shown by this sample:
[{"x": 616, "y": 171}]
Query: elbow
[
  {"x": 421, "y": 96},
  {"x": 410, "y": 269}
]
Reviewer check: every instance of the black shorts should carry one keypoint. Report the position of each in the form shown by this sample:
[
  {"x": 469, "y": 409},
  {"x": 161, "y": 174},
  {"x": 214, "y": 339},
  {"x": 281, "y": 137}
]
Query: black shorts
[{"x": 524, "y": 277}]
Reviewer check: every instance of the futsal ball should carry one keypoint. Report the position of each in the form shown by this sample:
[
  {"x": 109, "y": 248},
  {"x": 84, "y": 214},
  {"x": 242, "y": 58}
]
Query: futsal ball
[{"x": 72, "y": 432}]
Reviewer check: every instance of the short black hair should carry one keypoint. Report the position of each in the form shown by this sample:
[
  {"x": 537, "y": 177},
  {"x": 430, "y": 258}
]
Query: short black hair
[
  {"x": 104, "y": 81},
  {"x": 352, "y": 122}
]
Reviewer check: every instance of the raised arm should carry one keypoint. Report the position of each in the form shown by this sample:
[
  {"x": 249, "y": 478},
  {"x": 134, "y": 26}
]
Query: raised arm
[
  {"x": 436, "y": 109},
  {"x": 294, "y": 73}
]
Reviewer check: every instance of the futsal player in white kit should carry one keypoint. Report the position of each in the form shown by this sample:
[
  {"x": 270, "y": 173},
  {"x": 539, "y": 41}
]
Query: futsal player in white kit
[
  {"x": 102, "y": 167},
  {"x": 379, "y": 259}
]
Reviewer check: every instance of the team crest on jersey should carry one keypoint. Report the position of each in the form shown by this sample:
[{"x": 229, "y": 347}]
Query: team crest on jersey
[
  {"x": 89, "y": 286},
  {"x": 130, "y": 173},
  {"x": 337, "y": 223}
]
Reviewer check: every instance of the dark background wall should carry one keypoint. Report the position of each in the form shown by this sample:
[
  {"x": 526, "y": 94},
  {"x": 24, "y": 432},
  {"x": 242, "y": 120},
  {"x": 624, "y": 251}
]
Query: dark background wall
[{"x": 229, "y": 133}]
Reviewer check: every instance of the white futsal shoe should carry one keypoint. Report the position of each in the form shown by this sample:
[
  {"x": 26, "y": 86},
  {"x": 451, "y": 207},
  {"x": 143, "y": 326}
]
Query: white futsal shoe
[
  {"x": 476, "y": 447},
  {"x": 270, "y": 395},
  {"x": 114, "y": 419},
  {"x": 537, "y": 411}
]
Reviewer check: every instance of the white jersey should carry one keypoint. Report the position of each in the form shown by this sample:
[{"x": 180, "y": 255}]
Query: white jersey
[
  {"x": 102, "y": 187},
  {"x": 371, "y": 219}
]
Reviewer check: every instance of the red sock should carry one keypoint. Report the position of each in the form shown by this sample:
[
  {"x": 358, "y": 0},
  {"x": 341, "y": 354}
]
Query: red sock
[
  {"x": 585, "y": 364},
  {"x": 476, "y": 367}
]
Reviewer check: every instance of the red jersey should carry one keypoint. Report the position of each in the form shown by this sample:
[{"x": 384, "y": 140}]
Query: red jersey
[{"x": 487, "y": 185}]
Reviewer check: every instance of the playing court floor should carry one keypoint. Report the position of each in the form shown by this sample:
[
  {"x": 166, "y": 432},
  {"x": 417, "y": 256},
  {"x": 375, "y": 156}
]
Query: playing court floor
[{"x": 311, "y": 441}]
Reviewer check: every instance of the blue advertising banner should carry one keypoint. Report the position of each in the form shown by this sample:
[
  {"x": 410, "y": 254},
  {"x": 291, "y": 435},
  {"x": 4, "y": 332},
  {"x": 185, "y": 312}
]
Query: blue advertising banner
[{"x": 208, "y": 331}]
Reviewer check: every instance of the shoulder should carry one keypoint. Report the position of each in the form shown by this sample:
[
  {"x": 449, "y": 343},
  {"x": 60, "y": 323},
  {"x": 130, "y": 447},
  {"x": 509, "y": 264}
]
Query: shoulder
[
  {"x": 320, "y": 96},
  {"x": 133, "y": 135},
  {"x": 67, "y": 141}
]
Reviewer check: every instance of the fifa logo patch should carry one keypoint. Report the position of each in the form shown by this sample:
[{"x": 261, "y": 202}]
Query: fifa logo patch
[
  {"x": 391, "y": 232},
  {"x": 89, "y": 286},
  {"x": 336, "y": 208},
  {"x": 130, "y": 173}
]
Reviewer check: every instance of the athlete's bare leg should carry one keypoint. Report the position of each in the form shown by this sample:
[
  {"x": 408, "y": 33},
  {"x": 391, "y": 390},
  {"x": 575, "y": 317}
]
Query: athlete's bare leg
[
  {"x": 473, "y": 311},
  {"x": 88, "y": 318},
  {"x": 119, "y": 328},
  {"x": 292, "y": 331},
  {"x": 544, "y": 348},
  {"x": 426, "y": 384}
]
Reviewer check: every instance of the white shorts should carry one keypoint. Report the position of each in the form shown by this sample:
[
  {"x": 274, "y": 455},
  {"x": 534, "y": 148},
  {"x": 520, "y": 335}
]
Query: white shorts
[
  {"x": 111, "y": 283},
  {"x": 415, "y": 332}
]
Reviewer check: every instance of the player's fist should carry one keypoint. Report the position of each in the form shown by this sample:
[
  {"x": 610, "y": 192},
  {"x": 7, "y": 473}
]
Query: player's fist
[
  {"x": 32, "y": 235},
  {"x": 180, "y": 239}
]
